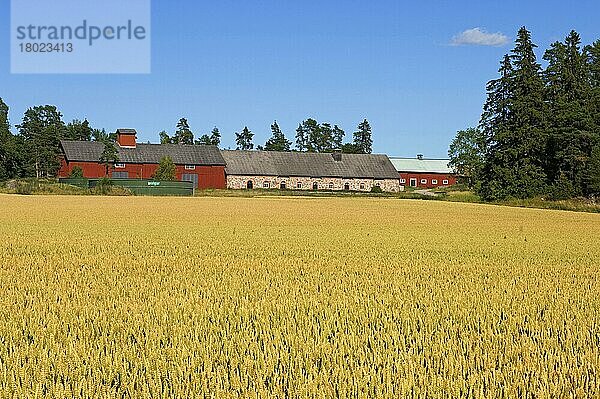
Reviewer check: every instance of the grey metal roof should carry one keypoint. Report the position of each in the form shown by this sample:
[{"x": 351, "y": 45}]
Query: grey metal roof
[
  {"x": 422, "y": 165},
  {"x": 271, "y": 163},
  {"x": 90, "y": 151}
]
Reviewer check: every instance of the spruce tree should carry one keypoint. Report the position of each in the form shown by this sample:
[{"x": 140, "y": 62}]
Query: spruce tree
[
  {"x": 593, "y": 173},
  {"x": 215, "y": 137},
  {"x": 308, "y": 136},
  {"x": 570, "y": 121},
  {"x": 278, "y": 141},
  {"x": 5, "y": 141},
  {"x": 243, "y": 140},
  {"x": 324, "y": 141},
  {"x": 514, "y": 125},
  {"x": 301, "y": 138},
  {"x": 338, "y": 137},
  {"x": 165, "y": 138},
  {"x": 363, "y": 140},
  {"x": 109, "y": 155},
  {"x": 184, "y": 134}
]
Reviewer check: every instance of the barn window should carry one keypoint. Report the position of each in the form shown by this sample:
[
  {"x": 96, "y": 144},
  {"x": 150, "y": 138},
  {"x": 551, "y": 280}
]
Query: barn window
[
  {"x": 119, "y": 166},
  {"x": 249, "y": 185},
  {"x": 377, "y": 184},
  {"x": 266, "y": 185},
  {"x": 190, "y": 167},
  {"x": 423, "y": 181},
  {"x": 413, "y": 182},
  {"x": 299, "y": 185},
  {"x": 434, "y": 181},
  {"x": 362, "y": 186},
  {"x": 402, "y": 181},
  {"x": 445, "y": 182},
  {"x": 282, "y": 185},
  {"x": 347, "y": 186},
  {"x": 315, "y": 186},
  {"x": 331, "y": 186}
]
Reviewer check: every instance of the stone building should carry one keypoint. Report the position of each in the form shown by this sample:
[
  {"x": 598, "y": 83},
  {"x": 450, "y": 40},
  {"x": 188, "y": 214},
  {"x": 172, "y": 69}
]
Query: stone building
[{"x": 309, "y": 171}]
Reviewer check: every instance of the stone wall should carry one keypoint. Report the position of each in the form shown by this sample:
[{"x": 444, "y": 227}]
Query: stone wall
[{"x": 237, "y": 182}]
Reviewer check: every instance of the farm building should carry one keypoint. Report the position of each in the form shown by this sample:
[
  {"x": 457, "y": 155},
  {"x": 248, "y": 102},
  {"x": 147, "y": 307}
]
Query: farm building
[
  {"x": 203, "y": 165},
  {"x": 424, "y": 173},
  {"x": 309, "y": 171}
]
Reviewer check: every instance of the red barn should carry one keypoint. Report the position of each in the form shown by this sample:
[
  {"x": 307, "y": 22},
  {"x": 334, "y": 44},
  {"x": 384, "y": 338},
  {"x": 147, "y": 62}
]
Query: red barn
[
  {"x": 424, "y": 173},
  {"x": 203, "y": 165}
]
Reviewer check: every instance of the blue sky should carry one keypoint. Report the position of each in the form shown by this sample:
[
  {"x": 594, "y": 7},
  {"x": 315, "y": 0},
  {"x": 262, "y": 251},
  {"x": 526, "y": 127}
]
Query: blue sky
[{"x": 236, "y": 63}]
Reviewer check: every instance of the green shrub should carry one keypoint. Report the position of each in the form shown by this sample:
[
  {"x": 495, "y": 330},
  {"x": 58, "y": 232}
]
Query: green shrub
[{"x": 76, "y": 173}]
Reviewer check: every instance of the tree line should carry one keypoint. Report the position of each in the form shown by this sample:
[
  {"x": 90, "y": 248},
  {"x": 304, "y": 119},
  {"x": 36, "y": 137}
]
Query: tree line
[
  {"x": 35, "y": 150},
  {"x": 539, "y": 133},
  {"x": 311, "y": 136}
]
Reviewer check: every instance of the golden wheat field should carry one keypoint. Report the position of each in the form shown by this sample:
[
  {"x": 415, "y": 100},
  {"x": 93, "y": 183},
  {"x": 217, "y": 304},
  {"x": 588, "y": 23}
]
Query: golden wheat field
[{"x": 118, "y": 297}]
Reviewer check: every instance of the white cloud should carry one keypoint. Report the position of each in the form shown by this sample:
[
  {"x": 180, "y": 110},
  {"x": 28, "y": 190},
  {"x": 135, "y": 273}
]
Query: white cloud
[{"x": 479, "y": 37}]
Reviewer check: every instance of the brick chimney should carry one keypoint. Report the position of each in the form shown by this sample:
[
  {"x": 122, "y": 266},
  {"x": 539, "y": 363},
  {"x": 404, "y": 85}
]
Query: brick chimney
[{"x": 126, "y": 138}]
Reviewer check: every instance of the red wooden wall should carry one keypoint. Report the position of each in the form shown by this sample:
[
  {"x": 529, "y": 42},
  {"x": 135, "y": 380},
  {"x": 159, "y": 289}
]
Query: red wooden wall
[
  {"x": 208, "y": 176},
  {"x": 440, "y": 177}
]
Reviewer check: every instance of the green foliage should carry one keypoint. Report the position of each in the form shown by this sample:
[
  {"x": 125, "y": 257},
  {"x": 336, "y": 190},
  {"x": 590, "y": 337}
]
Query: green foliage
[
  {"x": 101, "y": 135},
  {"x": 76, "y": 173},
  {"x": 278, "y": 141},
  {"x": 213, "y": 139},
  {"x": 467, "y": 154},
  {"x": 571, "y": 124},
  {"x": 314, "y": 137},
  {"x": 104, "y": 186},
  {"x": 79, "y": 131},
  {"x": 243, "y": 140},
  {"x": 350, "y": 148},
  {"x": 593, "y": 173},
  {"x": 363, "y": 140},
  {"x": 5, "y": 141},
  {"x": 166, "y": 170},
  {"x": 184, "y": 134},
  {"x": 514, "y": 125},
  {"x": 42, "y": 129},
  {"x": 164, "y": 138},
  {"x": 109, "y": 155},
  {"x": 376, "y": 189}
]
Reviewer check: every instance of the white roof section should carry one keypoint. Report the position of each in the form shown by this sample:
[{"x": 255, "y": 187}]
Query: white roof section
[{"x": 417, "y": 165}]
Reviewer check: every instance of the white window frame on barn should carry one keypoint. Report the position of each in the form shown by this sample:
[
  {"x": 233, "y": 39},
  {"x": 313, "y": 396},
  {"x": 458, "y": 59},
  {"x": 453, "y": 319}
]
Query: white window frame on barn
[
  {"x": 423, "y": 181},
  {"x": 266, "y": 185},
  {"x": 190, "y": 167},
  {"x": 119, "y": 166},
  {"x": 331, "y": 186},
  {"x": 282, "y": 185},
  {"x": 445, "y": 182},
  {"x": 434, "y": 181},
  {"x": 402, "y": 181}
]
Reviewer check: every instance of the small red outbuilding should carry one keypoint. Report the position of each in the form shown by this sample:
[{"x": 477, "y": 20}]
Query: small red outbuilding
[{"x": 424, "y": 173}]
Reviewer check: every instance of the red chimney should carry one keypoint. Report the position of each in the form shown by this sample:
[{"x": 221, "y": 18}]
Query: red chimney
[{"x": 126, "y": 138}]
